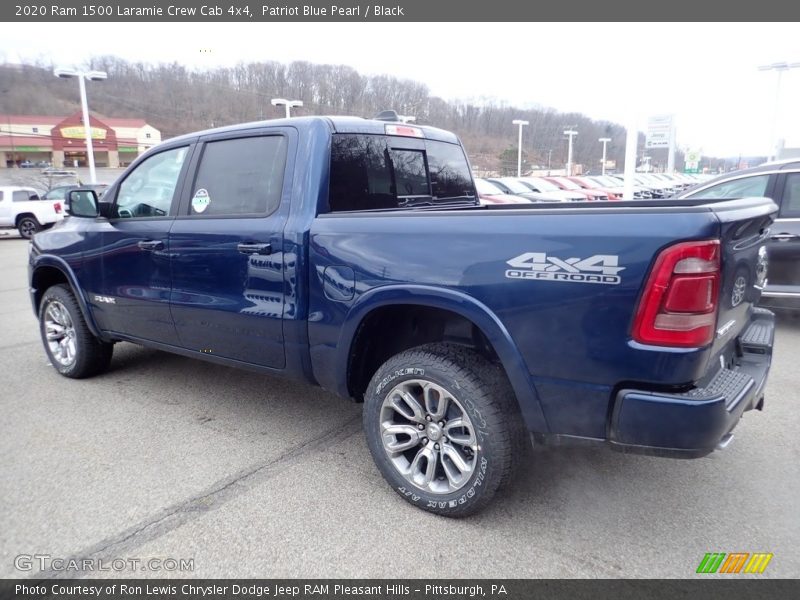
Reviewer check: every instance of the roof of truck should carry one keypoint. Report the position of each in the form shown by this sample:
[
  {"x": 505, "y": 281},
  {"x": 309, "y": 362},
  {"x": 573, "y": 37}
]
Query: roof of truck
[{"x": 337, "y": 124}]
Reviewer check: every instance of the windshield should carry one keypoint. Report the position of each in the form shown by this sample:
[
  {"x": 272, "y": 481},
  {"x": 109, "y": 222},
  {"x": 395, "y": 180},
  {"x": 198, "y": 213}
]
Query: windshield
[
  {"x": 543, "y": 185},
  {"x": 570, "y": 185},
  {"x": 516, "y": 186},
  {"x": 487, "y": 187}
]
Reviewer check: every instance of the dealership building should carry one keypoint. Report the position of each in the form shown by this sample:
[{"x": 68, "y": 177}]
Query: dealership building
[{"x": 61, "y": 141}]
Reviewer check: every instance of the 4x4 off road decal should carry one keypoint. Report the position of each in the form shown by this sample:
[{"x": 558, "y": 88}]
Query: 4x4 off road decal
[{"x": 600, "y": 268}]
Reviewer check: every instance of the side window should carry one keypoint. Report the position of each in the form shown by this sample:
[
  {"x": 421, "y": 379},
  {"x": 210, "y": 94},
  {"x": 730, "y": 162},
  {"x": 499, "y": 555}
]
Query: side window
[
  {"x": 148, "y": 190},
  {"x": 790, "y": 205},
  {"x": 57, "y": 193},
  {"x": 240, "y": 176},
  {"x": 23, "y": 196},
  {"x": 738, "y": 188}
]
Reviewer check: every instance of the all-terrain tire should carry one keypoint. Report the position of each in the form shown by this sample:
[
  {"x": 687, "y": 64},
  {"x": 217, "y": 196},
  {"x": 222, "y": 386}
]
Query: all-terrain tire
[
  {"x": 476, "y": 390},
  {"x": 71, "y": 347}
]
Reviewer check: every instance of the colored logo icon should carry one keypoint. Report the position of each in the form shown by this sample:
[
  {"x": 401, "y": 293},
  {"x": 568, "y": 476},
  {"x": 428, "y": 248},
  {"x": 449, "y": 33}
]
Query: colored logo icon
[{"x": 735, "y": 562}]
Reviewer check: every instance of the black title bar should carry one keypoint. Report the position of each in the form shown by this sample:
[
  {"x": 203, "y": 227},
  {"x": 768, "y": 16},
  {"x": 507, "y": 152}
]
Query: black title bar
[{"x": 395, "y": 11}]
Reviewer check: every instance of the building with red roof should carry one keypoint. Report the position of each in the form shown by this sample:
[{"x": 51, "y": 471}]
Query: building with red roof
[{"x": 61, "y": 141}]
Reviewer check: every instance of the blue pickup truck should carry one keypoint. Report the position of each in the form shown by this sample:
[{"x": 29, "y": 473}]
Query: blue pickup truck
[{"x": 354, "y": 254}]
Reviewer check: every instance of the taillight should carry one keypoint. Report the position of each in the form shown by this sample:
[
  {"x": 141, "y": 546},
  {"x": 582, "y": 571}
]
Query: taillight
[
  {"x": 57, "y": 206},
  {"x": 680, "y": 299}
]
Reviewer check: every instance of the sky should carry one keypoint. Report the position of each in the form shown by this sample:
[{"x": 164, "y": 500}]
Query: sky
[{"x": 705, "y": 74}]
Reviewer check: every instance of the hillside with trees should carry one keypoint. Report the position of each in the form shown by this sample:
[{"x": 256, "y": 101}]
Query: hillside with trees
[{"x": 178, "y": 100}]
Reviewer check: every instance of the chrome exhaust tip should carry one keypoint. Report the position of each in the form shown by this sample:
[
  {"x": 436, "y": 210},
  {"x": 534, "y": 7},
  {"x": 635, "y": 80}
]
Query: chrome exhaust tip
[{"x": 723, "y": 443}]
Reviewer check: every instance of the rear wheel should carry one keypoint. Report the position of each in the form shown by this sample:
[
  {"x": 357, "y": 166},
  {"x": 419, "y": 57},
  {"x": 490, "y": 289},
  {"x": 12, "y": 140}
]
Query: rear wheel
[
  {"x": 443, "y": 428},
  {"x": 68, "y": 342},
  {"x": 28, "y": 227}
]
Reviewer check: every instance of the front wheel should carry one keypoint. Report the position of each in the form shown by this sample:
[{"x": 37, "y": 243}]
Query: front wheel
[
  {"x": 70, "y": 345},
  {"x": 443, "y": 428},
  {"x": 28, "y": 227}
]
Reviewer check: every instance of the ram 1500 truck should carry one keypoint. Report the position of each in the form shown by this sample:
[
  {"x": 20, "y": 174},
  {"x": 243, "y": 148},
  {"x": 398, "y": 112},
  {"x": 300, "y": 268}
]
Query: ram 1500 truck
[{"x": 354, "y": 254}]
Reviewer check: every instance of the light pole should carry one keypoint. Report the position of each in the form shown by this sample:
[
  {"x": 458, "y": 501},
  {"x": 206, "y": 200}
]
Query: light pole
[
  {"x": 780, "y": 67},
  {"x": 604, "y": 141},
  {"x": 571, "y": 133},
  {"x": 521, "y": 124},
  {"x": 83, "y": 76},
  {"x": 289, "y": 104}
]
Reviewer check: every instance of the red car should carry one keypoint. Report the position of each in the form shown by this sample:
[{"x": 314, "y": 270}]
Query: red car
[
  {"x": 489, "y": 193},
  {"x": 565, "y": 184},
  {"x": 588, "y": 184}
]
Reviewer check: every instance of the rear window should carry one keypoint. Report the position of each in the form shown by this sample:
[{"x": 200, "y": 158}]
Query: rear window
[
  {"x": 737, "y": 188},
  {"x": 372, "y": 172}
]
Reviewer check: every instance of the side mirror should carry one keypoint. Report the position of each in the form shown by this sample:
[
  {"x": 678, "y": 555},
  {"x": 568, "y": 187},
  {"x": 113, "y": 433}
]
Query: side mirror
[{"x": 82, "y": 203}]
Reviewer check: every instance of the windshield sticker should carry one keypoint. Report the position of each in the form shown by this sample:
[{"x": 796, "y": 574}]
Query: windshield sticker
[
  {"x": 201, "y": 200},
  {"x": 600, "y": 268}
]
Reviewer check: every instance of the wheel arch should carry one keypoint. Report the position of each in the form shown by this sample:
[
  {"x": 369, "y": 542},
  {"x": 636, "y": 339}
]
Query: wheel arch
[
  {"x": 48, "y": 271},
  {"x": 461, "y": 309},
  {"x": 23, "y": 215}
]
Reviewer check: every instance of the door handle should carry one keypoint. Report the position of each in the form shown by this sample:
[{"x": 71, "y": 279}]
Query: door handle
[
  {"x": 784, "y": 237},
  {"x": 151, "y": 245},
  {"x": 251, "y": 248}
]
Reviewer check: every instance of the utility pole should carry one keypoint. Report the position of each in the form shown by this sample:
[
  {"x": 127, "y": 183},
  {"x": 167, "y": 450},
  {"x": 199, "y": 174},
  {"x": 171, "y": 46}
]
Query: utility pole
[
  {"x": 604, "y": 141},
  {"x": 521, "y": 124},
  {"x": 571, "y": 133}
]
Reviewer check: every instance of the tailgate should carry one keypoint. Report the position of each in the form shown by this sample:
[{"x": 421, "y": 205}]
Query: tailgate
[{"x": 744, "y": 230}]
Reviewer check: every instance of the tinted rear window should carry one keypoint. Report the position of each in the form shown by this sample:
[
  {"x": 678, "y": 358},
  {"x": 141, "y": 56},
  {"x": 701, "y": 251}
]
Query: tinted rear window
[{"x": 371, "y": 172}]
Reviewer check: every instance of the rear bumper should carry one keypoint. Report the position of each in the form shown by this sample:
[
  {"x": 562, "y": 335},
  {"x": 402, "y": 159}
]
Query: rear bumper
[{"x": 694, "y": 423}]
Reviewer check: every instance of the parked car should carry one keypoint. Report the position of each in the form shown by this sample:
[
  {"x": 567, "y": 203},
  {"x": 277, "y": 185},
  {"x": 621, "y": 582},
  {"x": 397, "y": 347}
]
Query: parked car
[
  {"x": 26, "y": 164},
  {"x": 489, "y": 193},
  {"x": 55, "y": 171},
  {"x": 354, "y": 254},
  {"x": 541, "y": 185},
  {"x": 60, "y": 192},
  {"x": 22, "y": 209},
  {"x": 587, "y": 183},
  {"x": 565, "y": 184},
  {"x": 512, "y": 185},
  {"x": 779, "y": 181},
  {"x": 617, "y": 186}
]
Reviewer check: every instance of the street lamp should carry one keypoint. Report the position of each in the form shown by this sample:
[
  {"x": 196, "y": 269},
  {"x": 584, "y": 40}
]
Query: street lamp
[
  {"x": 571, "y": 133},
  {"x": 780, "y": 67},
  {"x": 521, "y": 124},
  {"x": 289, "y": 104},
  {"x": 604, "y": 141},
  {"x": 84, "y": 76}
]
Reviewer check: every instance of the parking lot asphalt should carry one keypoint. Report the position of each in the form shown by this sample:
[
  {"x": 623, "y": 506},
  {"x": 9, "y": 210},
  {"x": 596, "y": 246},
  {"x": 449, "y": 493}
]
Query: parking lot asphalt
[{"x": 254, "y": 476}]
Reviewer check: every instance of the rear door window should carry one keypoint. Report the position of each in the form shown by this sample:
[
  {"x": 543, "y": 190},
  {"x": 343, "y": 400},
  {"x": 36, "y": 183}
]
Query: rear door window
[
  {"x": 240, "y": 176},
  {"x": 373, "y": 172}
]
